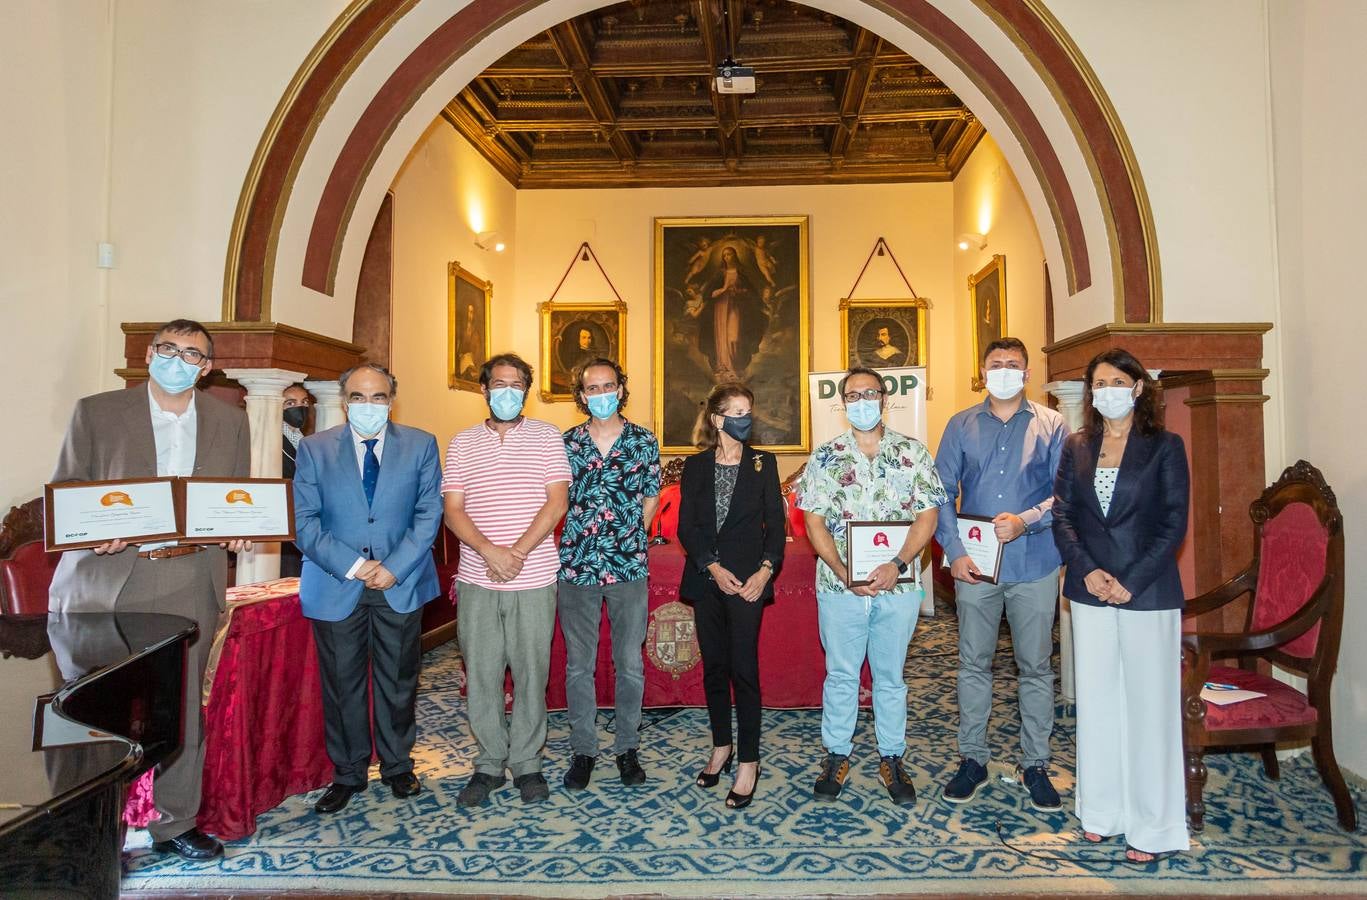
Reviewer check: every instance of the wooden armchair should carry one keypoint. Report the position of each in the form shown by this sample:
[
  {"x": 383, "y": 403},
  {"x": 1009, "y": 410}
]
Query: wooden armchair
[
  {"x": 25, "y": 567},
  {"x": 1295, "y": 620}
]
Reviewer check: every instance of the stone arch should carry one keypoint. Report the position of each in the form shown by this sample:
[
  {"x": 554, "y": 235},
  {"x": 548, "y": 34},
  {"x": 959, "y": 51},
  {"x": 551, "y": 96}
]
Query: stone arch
[{"x": 968, "y": 42}]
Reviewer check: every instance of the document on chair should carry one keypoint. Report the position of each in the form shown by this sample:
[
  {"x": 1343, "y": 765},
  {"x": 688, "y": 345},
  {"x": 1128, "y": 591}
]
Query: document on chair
[{"x": 1225, "y": 694}]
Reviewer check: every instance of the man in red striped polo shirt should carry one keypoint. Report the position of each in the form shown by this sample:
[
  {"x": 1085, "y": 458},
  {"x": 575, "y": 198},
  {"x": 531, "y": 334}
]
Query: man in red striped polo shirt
[{"x": 506, "y": 485}]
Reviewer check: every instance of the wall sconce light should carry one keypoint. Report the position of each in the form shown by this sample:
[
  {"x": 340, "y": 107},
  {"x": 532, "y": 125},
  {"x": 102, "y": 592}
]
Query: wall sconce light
[
  {"x": 490, "y": 240},
  {"x": 969, "y": 240}
]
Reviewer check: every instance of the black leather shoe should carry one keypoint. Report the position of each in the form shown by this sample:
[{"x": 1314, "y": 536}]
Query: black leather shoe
[
  {"x": 629, "y": 767},
  {"x": 193, "y": 844},
  {"x": 580, "y": 772},
  {"x": 336, "y": 797},
  {"x": 404, "y": 785}
]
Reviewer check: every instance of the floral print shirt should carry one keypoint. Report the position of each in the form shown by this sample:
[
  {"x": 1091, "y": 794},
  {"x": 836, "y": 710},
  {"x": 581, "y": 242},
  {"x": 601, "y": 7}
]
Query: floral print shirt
[
  {"x": 842, "y": 484},
  {"x": 604, "y": 541}
]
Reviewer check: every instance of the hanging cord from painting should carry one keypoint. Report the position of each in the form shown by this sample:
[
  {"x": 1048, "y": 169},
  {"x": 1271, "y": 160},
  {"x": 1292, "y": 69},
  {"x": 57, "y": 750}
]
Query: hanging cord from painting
[
  {"x": 880, "y": 247},
  {"x": 584, "y": 254}
]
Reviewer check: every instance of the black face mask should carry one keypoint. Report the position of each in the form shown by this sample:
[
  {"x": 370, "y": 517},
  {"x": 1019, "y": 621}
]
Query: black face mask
[
  {"x": 737, "y": 426},
  {"x": 296, "y": 416}
]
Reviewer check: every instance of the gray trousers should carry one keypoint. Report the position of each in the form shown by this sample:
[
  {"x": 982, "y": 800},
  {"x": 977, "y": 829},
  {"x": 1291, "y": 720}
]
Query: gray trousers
[
  {"x": 180, "y": 586},
  {"x": 374, "y": 654},
  {"x": 581, "y": 611},
  {"x": 1029, "y": 609},
  {"x": 502, "y": 631}
]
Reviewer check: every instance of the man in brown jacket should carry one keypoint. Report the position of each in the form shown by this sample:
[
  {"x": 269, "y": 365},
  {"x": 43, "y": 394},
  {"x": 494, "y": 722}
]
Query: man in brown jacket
[{"x": 164, "y": 428}]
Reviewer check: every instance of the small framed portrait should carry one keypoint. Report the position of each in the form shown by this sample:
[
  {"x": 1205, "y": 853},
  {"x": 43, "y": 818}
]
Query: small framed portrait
[
  {"x": 987, "y": 293},
  {"x": 884, "y": 334},
  {"x": 468, "y": 298},
  {"x": 571, "y": 335}
]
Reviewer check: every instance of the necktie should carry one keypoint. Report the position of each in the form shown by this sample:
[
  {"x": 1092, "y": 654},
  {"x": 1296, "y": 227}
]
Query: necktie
[{"x": 371, "y": 473}]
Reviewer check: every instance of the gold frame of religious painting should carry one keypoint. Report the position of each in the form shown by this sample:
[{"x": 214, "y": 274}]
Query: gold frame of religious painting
[
  {"x": 459, "y": 379},
  {"x": 606, "y": 323},
  {"x": 996, "y": 267},
  {"x": 683, "y": 371},
  {"x": 909, "y": 313}
]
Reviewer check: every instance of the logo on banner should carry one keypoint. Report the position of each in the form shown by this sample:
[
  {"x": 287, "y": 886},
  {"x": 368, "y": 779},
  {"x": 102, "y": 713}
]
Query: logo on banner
[{"x": 671, "y": 639}]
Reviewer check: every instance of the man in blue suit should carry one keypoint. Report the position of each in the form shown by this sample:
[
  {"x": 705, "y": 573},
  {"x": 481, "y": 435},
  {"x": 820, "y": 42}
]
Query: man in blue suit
[{"x": 367, "y": 506}]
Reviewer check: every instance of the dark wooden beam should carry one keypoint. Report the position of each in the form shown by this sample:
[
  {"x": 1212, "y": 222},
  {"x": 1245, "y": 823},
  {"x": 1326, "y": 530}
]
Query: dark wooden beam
[{"x": 569, "y": 42}]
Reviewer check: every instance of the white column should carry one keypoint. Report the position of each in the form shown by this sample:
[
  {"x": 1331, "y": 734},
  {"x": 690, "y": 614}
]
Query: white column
[
  {"x": 328, "y": 409},
  {"x": 1069, "y": 396},
  {"x": 265, "y": 408}
]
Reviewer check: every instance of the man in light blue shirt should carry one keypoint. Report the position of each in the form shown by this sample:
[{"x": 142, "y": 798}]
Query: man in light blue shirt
[{"x": 999, "y": 458}]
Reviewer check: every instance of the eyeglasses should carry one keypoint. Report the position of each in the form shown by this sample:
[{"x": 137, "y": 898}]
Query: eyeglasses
[
  {"x": 170, "y": 351},
  {"x": 865, "y": 394}
]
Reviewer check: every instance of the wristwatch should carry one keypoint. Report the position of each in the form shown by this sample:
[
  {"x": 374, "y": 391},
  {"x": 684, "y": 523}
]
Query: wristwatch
[{"x": 901, "y": 566}]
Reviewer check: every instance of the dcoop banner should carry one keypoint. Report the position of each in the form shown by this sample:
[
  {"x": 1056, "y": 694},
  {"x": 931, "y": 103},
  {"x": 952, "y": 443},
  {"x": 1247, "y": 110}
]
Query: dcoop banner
[{"x": 904, "y": 411}]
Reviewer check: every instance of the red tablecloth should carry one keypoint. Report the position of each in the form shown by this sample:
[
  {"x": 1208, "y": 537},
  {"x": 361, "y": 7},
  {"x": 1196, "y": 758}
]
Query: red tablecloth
[
  {"x": 791, "y": 662},
  {"x": 263, "y": 717}
]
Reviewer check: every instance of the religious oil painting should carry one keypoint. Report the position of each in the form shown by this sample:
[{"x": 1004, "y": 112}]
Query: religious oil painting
[
  {"x": 467, "y": 316},
  {"x": 882, "y": 334},
  {"x": 987, "y": 291},
  {"x": 731, "y": 304},
  {"x": 573, "y": 334}
]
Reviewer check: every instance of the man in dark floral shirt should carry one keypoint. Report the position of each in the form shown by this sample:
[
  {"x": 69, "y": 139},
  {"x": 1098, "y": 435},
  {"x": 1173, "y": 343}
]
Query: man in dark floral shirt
[{"x": 615, "y": 488}]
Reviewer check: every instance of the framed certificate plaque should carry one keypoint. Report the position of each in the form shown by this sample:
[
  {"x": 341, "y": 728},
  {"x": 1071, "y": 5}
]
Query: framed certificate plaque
[
  {"x": 85, "y": 514},
  {"x": 870, "y": 544}
]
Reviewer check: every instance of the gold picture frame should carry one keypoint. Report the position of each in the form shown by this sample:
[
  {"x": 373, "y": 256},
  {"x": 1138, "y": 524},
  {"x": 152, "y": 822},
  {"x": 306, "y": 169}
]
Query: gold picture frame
[
  {"x": 987, "y": 307},
  {"x": 469, "y": 300},
  {"x": 564, "y": 330},
  {"x": 884, "y": 333},
  {"x": 761, "y": 336}
]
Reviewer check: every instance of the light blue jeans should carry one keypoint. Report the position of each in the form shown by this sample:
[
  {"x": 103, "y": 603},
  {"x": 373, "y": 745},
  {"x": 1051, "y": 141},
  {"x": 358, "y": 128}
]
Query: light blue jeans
[{"x": 877, "y": 628}]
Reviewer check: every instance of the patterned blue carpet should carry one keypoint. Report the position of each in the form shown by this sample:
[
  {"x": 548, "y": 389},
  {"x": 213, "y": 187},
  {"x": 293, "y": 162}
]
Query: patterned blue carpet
[{"x": 674, "y": 839}]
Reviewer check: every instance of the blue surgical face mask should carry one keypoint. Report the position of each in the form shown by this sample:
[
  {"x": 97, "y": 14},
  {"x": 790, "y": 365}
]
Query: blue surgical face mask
[
  {"x": 864, "y": 414},
  {"x": 506, "y": 403},
  {"x": 172, "y": 374},
  {"x": 737, "y": 426},
  {"x": 367, "y": 418},
  {"x": 603, "y": 406}
]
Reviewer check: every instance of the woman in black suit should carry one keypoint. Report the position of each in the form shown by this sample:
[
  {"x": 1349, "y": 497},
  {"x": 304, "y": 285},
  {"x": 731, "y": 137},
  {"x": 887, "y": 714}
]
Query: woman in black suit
[
  {"x": 1120, "y": 515},
  {"x": 732, "y": 528}
]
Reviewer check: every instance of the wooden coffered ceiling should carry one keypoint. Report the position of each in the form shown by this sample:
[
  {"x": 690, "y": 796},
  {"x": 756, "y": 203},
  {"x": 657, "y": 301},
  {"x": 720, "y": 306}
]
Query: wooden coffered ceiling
[{"x": 623, "y": 97}]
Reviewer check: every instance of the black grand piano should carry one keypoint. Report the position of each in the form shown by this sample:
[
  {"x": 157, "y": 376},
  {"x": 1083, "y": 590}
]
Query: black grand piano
[{"x": 88, "y": 702}]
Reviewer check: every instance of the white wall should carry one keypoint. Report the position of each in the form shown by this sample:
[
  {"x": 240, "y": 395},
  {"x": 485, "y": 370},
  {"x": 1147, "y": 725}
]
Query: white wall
[
  {"x": 445, "y": 194},
  {"x": 52, "y": 178},
  {"x": 1317, "y": 71},
  {"x": 988, "y": 201},
  {"x": 845, "y": 222}
]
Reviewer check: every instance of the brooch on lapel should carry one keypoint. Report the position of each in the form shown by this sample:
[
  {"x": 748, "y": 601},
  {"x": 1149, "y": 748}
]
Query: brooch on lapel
[{"x": 759, "y": 462}]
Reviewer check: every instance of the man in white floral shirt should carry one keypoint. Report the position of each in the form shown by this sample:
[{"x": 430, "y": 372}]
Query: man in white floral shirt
[{"x": 869, "y": 473}]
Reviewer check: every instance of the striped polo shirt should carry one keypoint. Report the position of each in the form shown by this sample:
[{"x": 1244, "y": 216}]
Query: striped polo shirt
[{"x": 504, "y": 482}]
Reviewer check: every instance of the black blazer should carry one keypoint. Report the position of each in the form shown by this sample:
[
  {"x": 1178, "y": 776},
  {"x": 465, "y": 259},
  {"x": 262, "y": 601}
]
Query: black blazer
[
  {"x": 754, "y": 530},
  {"x": 1137, "y": 541}
]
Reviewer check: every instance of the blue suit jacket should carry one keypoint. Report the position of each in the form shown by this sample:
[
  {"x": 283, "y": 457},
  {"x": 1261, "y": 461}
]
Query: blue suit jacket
[
  {"x": 334, "y": 525},
  {"x": 1137, "y": 540}
]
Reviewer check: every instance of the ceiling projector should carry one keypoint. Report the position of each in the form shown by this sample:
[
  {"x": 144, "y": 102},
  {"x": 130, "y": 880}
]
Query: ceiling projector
[{"x": 735, "y": 79}]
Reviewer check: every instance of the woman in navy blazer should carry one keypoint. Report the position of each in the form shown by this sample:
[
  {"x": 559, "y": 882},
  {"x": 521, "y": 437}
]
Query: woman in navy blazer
[
  {"x": 1120, "y": 515},
  {"x": 732, "y": 527}
]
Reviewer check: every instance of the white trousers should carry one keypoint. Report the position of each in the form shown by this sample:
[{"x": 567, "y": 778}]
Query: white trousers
[{"x": 1130, "y": 776}]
